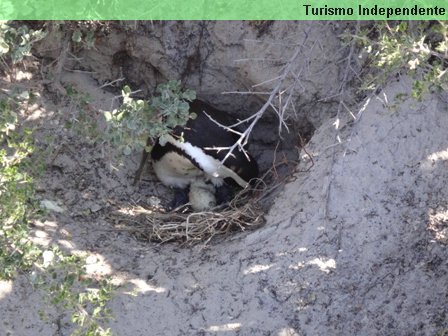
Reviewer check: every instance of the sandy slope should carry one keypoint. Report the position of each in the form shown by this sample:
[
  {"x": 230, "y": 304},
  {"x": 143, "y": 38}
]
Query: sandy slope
[{"x": 346, "y": 250}]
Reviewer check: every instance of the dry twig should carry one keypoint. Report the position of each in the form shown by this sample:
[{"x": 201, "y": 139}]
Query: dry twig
[{"x": 275, "y": 93}]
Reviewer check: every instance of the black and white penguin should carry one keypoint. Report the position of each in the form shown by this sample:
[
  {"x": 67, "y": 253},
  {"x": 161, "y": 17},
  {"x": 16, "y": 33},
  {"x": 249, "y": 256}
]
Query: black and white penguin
[{"x": 194, "y": 153}]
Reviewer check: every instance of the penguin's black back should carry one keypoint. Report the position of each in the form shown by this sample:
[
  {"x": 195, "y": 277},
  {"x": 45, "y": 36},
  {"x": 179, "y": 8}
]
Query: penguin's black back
[{"x": 204, "y": 133}]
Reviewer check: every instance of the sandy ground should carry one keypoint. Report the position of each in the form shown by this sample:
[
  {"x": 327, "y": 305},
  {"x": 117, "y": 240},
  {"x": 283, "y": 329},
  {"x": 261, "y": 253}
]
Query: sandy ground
[{"x": 354, "y": 246}]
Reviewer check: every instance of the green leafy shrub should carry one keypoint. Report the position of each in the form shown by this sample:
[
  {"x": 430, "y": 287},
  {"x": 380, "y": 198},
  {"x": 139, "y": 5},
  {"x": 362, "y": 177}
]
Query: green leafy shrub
[
  {"x": 418, "y": 49},
  {"x": 61, "y": 275},
  {"x": 135, "y": 120},
  {"x": 17, "y": 252},
  {"x": 17, "y": 42},
  {"x": 70, "y": 289}
]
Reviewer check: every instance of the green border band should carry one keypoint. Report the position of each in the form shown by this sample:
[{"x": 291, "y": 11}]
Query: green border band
[{"x": 223, "y": 10}]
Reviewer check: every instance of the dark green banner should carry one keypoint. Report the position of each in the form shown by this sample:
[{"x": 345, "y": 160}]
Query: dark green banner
[{"x": 223, "y": 10}]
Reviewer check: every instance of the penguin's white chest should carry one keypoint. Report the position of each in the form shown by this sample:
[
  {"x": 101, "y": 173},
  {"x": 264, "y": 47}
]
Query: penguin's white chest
[{"x": 176, "y": 170}]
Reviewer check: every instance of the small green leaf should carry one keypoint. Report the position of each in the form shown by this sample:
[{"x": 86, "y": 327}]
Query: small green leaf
[
  {"x": 127, "y": 150},
  {"x": 96, "y": 312},
  {"x": 120, "y": 115},
  {"x": 131, "y": 125},
  {"x": 90, "y": 39},
  {"x": 126, "y": 91},
  {"x": 4, "y": 47},
  {"x": 189, "y": 95},
  {"x": 77, "y": 36},
  {"x": 107, "y": 115}
]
